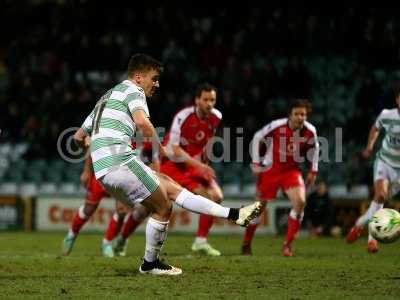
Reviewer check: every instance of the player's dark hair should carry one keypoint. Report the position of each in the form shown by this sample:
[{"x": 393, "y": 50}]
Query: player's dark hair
[
  {"x": 143, "y": 63},
  {"x": 296, "y": 103},
  {"x": 206, "y": 87},
  {"x": 396, "y": 88}
]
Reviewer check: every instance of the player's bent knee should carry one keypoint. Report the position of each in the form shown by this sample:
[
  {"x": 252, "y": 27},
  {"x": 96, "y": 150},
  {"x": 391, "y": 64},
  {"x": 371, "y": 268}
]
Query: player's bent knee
[
  {"x": 141, "y": 213},
  {"x": 299, "y": 205},
  {"x": 381, "y": 193},
  {"x": 381, "y": 197},
  {"x": 121, "y": 209},
  {"x": 165, "y": 210},
  {"x": 158, "y": 203},
  {"x": 174, "y": 192},
  {"x": 172, "y": 188}
]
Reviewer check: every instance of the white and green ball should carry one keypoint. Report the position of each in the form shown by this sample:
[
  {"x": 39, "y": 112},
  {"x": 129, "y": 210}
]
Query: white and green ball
[{"x": 385, "y": 225}]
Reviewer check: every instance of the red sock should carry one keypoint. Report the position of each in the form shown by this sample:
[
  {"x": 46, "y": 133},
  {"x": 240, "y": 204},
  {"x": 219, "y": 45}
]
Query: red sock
[
  {"x": 79, "y": 220},
  {"x": 249, "y": 233},
  {"x": 205, "y": 223},
  {"x": 293, "y": 228},
  {"x": 129, "y": 226},
  {"x": 113, "y": 228}
]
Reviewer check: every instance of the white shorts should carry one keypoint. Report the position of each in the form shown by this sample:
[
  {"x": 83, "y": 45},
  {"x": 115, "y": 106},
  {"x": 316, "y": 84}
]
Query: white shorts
[
  {"x": 383, "y": 171},
  {"x": 130, "y": 183}
]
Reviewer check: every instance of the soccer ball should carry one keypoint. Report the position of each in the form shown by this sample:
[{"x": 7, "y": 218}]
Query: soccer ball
[{"x": 385, "y": 225}]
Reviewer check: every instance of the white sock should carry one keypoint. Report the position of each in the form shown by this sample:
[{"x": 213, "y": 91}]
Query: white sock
[
  {"x": 128, "y": 215},
  {"x": 294, "y": 215},
  {"x": 82, "y": 215},
  {"x": 373, "y": 207},
  {"x": 156, "y": 233},
  {"x": 106, "y": 242},
  {"x": 200, "y": 240},
  {"x": 71, "y": 234},
  {"x": 199, "y": 204}
]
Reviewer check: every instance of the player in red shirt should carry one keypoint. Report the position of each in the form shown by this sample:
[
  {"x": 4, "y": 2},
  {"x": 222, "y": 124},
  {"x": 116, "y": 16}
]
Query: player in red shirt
[
  {"x": 191, "y": 129},
  {"x": 285, "y": 143}
]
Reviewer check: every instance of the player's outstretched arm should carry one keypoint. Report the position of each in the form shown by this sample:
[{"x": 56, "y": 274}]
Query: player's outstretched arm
[
  {"x": 256, "y": 165},
  {"x": 372, "y": 137},
  {"x": 314, "y": 157},
  {"x": 180, "y": 155}
]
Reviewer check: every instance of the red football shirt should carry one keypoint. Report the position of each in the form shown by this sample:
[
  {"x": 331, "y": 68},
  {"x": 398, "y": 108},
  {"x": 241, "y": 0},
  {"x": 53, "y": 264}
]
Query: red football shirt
[
  {"x": 192, "y": 133},
  {"x": 279, "y": 147}
]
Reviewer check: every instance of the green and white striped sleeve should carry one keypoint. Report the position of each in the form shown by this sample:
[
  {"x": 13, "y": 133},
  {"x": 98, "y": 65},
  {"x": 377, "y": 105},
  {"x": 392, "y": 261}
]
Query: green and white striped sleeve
[
  {"x": 378, "y": 122},
  {"x": 136, "y": 101}
]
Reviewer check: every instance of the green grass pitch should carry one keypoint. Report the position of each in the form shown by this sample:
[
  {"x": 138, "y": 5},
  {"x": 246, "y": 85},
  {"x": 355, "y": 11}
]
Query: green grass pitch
[{"x": 323, "y": 268}]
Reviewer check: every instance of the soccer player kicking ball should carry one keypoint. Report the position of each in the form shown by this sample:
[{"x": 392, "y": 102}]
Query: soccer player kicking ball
[
  {"x": 285, "y": 142},
  {"x": 125, "y": 177},
  {"x": 386, "y": 166}
]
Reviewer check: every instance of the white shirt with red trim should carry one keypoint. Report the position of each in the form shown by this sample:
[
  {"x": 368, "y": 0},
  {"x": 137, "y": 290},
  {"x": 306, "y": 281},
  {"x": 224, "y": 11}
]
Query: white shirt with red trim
[{"x": 279, "y": 147}]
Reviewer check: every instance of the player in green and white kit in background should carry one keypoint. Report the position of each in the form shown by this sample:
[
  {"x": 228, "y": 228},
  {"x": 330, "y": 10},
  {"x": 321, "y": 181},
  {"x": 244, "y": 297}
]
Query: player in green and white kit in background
[
  {"x": 386, "y": 166},
  {"x": 117, "y": 166}
]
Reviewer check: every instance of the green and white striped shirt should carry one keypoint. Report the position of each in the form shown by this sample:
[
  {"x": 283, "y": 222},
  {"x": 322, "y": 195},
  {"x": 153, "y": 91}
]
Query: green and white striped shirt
[
  {"x": 112, "y": 128},
  {"x": 389, "y": 119}
]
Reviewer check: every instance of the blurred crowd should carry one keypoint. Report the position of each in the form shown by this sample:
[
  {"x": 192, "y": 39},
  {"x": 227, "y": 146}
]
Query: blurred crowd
[{"x": 58, "y": 57}]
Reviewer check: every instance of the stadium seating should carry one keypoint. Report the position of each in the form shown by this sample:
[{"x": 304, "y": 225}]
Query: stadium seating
[
  {"x": 48, "y": 188},
  {"x": 68, "y": 189},
  {"x": 338, "y": 191},
  {"x": 28, "y": 189},
  {"x": 8, "y": 188},
  {"x": 333, "y": 101},
  {"x": 248, "y": 191}
]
